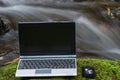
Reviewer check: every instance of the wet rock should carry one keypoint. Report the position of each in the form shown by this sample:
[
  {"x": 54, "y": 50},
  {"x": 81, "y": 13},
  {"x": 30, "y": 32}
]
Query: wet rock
[
  {"x": 116, "y": 13},
  {"x": 1, "y": 3},
  {"x": 8, "y": 57},
  {"x": 3, "y": 27}
]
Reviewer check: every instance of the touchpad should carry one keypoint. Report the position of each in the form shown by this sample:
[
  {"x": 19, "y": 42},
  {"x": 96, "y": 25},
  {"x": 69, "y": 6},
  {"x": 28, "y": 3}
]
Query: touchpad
[{"x": 45, "y": 71}]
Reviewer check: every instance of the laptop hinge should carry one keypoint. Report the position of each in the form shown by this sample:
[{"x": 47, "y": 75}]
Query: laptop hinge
[{"x": 58, "y": 56}]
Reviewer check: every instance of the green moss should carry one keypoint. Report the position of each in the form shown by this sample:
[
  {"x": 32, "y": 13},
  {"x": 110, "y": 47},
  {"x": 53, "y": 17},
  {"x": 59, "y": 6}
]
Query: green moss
[{"x": 105, "y": 70}]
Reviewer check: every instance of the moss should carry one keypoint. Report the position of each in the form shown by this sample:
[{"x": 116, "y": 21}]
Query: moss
[{"x": 105, "y": 70}]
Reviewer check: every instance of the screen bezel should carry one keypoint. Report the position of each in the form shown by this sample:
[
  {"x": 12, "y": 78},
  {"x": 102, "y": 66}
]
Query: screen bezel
[{"x": 23, "y": 53}]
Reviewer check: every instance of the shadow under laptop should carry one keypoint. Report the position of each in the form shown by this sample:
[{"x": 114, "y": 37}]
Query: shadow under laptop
[{"x": 48, "y": 78}]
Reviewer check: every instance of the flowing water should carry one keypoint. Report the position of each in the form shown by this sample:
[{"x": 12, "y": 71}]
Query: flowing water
[{"x": 93, "y": 35}]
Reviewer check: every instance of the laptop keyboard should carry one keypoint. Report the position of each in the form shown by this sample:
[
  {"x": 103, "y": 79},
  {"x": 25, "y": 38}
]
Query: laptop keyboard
[{"x": 49, "y": 64}]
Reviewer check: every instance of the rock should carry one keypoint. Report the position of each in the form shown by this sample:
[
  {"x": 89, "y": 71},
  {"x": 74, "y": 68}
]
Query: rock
[
  {"x": 10, "y": 56},
  {"x": 3, "y": 27}
]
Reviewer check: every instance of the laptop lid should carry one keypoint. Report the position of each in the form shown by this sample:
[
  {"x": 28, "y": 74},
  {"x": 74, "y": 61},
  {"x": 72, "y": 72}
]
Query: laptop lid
[{"x": 46, "y": 38}]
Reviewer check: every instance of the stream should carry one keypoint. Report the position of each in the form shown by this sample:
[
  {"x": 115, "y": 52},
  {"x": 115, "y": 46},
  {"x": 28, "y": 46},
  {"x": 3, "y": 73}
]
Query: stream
[{"x": 97, "y": 34}]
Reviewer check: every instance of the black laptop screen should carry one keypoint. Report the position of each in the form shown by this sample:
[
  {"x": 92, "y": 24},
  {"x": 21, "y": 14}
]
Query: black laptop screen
[{"x": 53, "y": 38}]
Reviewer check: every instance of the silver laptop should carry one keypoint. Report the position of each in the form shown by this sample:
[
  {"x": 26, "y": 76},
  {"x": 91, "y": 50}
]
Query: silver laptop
[{"x": 46, "y": 49}]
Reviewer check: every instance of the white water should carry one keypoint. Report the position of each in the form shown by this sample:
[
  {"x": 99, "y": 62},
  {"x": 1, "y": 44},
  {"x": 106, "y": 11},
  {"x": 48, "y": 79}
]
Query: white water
[
  {"x": 19, "y": 2},
  {"x": 90, "y": 38},
  {"x": 28, "y": 13},
  {"x": 91, "y": 34}
]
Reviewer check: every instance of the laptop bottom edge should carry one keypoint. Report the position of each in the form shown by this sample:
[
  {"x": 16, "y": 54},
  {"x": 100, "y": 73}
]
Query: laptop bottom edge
[{"x": 46, "y": 72}]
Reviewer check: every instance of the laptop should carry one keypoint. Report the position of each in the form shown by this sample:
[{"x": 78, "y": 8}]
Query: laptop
[{"x": 46, "y": 49}]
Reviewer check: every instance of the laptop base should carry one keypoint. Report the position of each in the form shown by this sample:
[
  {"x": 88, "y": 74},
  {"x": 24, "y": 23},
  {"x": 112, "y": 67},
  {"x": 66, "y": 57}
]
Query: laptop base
[{"x": 46, "y": 72}]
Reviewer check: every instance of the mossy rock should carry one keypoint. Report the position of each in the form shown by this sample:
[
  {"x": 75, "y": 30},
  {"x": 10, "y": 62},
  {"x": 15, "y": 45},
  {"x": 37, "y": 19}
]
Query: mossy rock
[{"x": 105, "y": 70}]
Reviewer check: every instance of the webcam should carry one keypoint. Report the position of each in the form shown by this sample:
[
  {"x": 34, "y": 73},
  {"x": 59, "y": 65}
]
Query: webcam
[{"x": 88, "y": 72}]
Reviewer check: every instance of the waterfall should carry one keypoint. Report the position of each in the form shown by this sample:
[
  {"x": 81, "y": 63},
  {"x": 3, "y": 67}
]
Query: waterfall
[
  {"x": 19, "y": 2},
  {"x": 89, "y": 36}
]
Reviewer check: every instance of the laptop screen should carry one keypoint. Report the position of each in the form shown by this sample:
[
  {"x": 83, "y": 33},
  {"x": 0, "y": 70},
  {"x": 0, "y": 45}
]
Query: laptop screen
[{"x": 47, "y": 38}]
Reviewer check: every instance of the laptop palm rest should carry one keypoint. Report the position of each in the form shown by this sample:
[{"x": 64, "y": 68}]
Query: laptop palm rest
[{"x": 45, "y": 71}]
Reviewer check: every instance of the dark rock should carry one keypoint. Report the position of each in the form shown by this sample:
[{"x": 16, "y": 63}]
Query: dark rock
[
  {"x": 3, "y": 27},
  {"x": 2, "y": 4}
]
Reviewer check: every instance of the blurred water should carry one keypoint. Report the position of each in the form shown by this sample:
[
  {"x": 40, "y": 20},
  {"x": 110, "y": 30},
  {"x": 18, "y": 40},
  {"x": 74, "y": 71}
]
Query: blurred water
[{"x": 91, "y": 36}]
